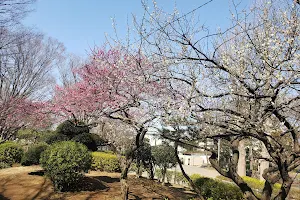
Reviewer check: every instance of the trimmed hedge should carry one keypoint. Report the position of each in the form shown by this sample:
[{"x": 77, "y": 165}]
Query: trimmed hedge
[
  {"x": 253, "y": 182},
  {"x": 104, "y": 161},
  {"x": 217, "y": 190},
  {"x": 258, "y": 184},
  {"x": 65, "y": 162},
  {"x": 32, "y": 156},
  {"x": 10, "y": 153}
]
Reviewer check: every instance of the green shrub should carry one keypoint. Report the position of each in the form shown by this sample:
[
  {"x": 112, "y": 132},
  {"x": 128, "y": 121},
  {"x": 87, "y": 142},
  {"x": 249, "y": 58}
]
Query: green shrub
[
  {"x": 88, "y": 139},
  {"x": 169, "y": 175},
  {"x": 32, "y": 156},
  {"x": 103, "y": 161},
  {"x": 10, "y": 153},
  {"x": 194, "y": 177},
  {"x": 29, "y": 134},
  {"x": 253, "y": 183},
  {"x": 4, "y": 165},
  {"x": 70, "y": 129},
  {"x": 217, "y": 190},
  {"x": 65, "y": 162},
  {"x": 133, "y": 168},
  {"x": 258, "y": 184},
  {"x": 55, "y": 137},
  {"x": 179, "y": 178},
  {"x": 158, "y": 174}
]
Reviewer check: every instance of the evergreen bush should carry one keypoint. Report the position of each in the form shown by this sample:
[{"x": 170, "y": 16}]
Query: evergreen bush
[
  {"x": 32, "y": 156},
  {"x": 10, "y": 153},
  {"x": 65, "y": 162}
]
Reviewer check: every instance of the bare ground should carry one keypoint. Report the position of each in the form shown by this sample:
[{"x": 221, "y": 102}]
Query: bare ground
[{"x": 22, "y": 183}]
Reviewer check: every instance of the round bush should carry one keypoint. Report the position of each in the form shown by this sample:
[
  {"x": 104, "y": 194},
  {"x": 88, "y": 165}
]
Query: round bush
[
  {"x": 214, "y": 189},
  {"x": 32, "y": 156},
  {"x": 10, "y": 153},
  {"x": 65, "y": 162},
  {"x": 55, "y": 137}
]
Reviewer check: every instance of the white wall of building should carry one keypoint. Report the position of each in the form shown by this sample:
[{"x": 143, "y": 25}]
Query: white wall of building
[{"x": 193, "y": 159}]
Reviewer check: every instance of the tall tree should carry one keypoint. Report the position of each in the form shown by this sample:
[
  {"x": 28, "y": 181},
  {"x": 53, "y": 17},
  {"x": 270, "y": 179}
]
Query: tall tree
[
  {"x": 25, "y": 78},
  {"x": 12, "y": 11},
  {"x": 114, "y": 84},
  {"x": 259, "y": 54}
]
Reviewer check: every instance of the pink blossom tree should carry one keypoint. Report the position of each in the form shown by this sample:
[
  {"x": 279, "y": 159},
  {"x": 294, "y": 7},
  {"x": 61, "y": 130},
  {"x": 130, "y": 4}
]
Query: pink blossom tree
[
  {"x": 114, "y": 84},
  {"x": 25, "y": 79},
  {"x": 17, "y": 113}
]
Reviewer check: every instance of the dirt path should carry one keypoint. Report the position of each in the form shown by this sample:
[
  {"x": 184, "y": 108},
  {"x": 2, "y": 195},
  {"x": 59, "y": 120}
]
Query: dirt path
[{"x": 22, "y": 183}]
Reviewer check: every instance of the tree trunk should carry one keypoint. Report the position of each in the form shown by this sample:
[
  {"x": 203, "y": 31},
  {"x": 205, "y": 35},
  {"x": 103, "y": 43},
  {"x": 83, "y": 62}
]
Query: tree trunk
[
  {"x": 195, "y": 187},
  {"x": 164, "y": 170},
  {"x": 267, "y": 191},
  {"x": 124, "y": 184},
  {"x": 124, "y": 189},
  {"x": 284, "y": 191},
  {"x": 151, "y": 175},
  {"x": 138, "y": 172},
  {"x": 232, "y": 174},
  {"x": 263, "y": 163},
  {"x": 287, "y": 182}
]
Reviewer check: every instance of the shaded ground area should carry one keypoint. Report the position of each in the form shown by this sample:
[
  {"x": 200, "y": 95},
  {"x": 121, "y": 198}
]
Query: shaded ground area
[{"x": 22, "y": 183}]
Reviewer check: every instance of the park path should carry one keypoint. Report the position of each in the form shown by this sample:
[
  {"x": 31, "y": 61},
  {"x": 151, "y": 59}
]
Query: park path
[
  {"x": 190, "y": 170},
  {"x": 207, "y": 172},
  {"x": 19, "y": 170}
]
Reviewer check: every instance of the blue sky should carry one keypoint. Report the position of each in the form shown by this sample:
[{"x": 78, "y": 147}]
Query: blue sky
[{"x": 81, "y": 24}]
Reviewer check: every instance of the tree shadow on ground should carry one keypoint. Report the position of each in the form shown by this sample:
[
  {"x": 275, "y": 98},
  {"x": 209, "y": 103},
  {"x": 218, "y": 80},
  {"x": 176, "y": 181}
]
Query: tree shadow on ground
[
  {"x": 107, "y": 179},
  {"x": 159, "y": 191},
  {"x": 3, "y": 197},
  {"x": 37, "y": 173},
  {"x": 87, "y": 183},
  {"x": 135, "y": 196},
  {"x": 92, "y": 184}
]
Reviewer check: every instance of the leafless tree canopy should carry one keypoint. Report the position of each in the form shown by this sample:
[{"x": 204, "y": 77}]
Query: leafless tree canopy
[
  {"x": 26, "y": 64},
  {"x": 235, "y": 84},
  {"x": 12, "y": 11}
]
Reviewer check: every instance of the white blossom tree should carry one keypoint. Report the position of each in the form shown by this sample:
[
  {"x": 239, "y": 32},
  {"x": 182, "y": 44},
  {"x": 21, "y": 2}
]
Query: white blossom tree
[{"x": 255, "y": 61}]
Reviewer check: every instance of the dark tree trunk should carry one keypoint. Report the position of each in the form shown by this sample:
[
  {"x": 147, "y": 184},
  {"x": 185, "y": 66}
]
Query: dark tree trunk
[
  {"x": 232, "y": 172},
  {"x": 267, "y": 191},
  {"x": 151, "y": 171},
  {"x": 195, "y": 187},
  {"x": 128, "y": 160},
  {"x": 285, "y": 187},
  {"x": 138, "y": 171},
  {"x": 164, "y": 170}
]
